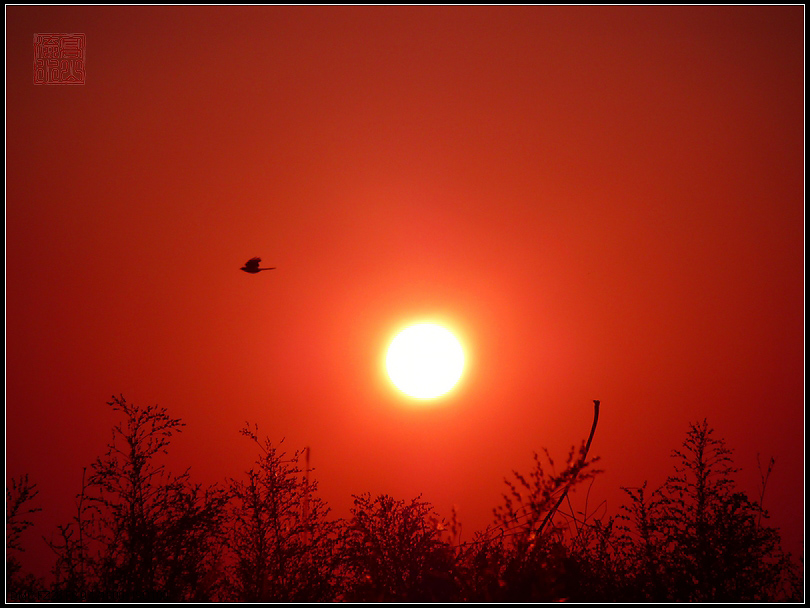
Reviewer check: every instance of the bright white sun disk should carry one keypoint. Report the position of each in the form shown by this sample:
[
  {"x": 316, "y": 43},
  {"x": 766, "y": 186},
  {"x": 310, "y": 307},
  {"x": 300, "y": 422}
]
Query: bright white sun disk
[{"x": 425, "y": 360}]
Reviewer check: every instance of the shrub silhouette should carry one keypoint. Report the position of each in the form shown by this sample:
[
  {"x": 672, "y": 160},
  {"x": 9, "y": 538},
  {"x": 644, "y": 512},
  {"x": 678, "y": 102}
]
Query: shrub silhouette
[
  {"x": 19, "y": 508},
  {"x": 522, "y": 556},
  {"x": 281, "y": 546},
  {"x": 697, "y": 538},
  {"x": 140, "y": 533},
  {"x": 393, "y": 551}
]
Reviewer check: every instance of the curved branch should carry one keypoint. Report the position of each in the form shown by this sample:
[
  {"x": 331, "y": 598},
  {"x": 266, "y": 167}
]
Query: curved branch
[{"x": 579, "y": 466}]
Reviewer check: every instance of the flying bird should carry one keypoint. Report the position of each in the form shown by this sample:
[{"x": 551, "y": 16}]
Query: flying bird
[{"x": 252, "y": 266}]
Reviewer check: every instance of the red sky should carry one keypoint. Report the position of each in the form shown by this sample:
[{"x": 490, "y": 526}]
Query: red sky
[{"x": 604, "y": 202}]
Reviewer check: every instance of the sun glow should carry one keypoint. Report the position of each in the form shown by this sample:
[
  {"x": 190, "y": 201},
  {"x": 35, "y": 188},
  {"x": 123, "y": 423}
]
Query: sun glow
[{"x": 425, "y": 360}]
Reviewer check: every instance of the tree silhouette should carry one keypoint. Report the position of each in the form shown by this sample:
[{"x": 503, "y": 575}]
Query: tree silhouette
[
  {"x": 74, "y": 566},
  {"x": 282, "y": 547},
  {"x": 393, "y": 551},
  {"x": 141, "y": 533},
  {"x": 698, "y": 538},
  {"x": 19, "y": 508},
  {"x": 522, "y": 556}
]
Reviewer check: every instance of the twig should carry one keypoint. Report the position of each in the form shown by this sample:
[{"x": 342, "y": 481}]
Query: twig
[
  {"x": 577, "y": 469},
  {"x": 764, "y": 482}
]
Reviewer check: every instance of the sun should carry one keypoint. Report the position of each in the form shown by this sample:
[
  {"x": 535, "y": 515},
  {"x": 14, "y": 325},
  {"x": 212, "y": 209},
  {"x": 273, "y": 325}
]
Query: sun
[{"x": 425, "y": 360}]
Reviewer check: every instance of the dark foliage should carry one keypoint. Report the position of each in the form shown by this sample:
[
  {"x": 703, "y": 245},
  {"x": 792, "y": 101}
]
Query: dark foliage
[
  {"x": 393, "y": 551},
  {"x": 698, "y": 538},
  {"x": 142, "y": 534},
  {"x": 281, "y": 546},
  {"x": 19, "y": 509},
  {"x": 522, "y": 556}
]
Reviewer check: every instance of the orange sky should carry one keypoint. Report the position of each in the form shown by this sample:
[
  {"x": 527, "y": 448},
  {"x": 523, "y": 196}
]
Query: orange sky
[{"x": 604, "y": 202}]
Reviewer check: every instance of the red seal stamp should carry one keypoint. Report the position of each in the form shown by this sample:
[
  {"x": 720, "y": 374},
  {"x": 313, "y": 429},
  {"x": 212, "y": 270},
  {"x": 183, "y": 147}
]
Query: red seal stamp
[{"x": 60, "y": 58}]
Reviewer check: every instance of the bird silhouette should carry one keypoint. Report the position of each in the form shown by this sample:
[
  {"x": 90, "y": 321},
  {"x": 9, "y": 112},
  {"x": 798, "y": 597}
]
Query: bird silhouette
[{"x": 252, "y": 266}]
